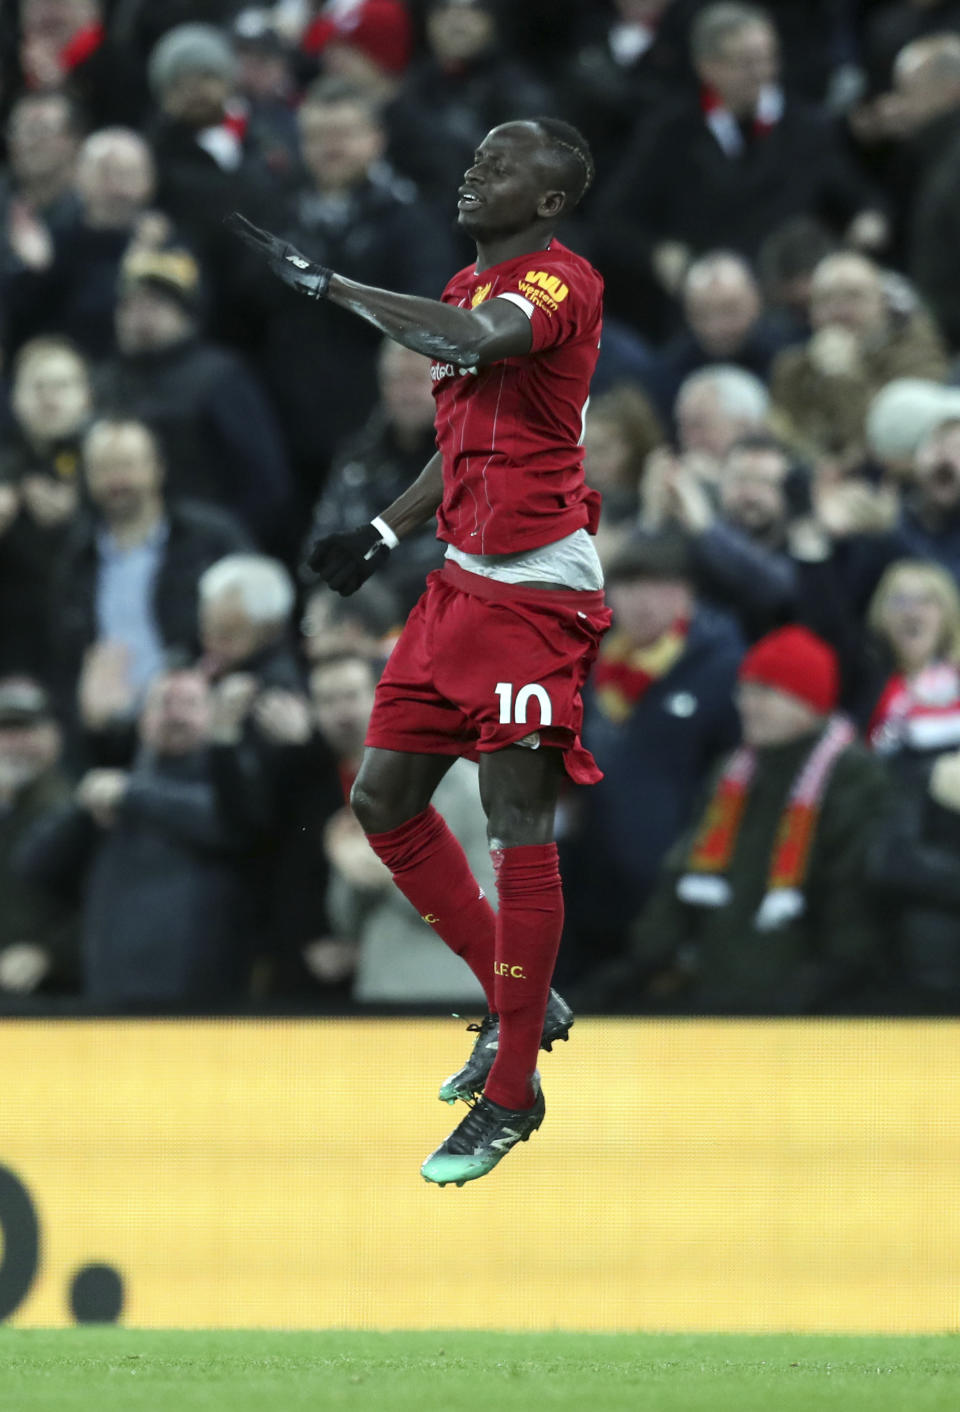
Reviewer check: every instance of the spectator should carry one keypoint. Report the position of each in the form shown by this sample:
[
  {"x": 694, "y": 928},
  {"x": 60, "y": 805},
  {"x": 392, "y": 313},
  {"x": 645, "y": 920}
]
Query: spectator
[
  {"x": 368, "y": 43},
  {"x": 245, "y": 604},
  {"x": 900, "y": 419},
  {"x": 269, "y": 777},
  {"x": 927, "y": 117},
  {"x": 786, "y": 261},
  {"x": 65, "y": 44},
  {"x": 764, "y": 906},
  {"x": 622, "y": 429},
  {"x": 373, "y": 467},
  {"x": 714, "y": 408},
  {"x": 162, "y": 875},
  {"x": 397, "y": 957},
  {"x": 914, "y": 617},
  {"x": 724, "y": 323},
  {"x": 865, "y": 333},
  {"x": 632, "y": 57},
  {"x": 891, "y": 25},
  {"x": 753, "y": 157},
  {"x": 657, "y": 712},
  {"x": 37, "y": 931},
  {"x": 465, "y": 86},
  {"x": 218, "y": 431},
  {"x": 367, "y": 622},
  {"x": 916, "y": 123},
  {"x": 740, "y": 543},
  {"x": 125, "y": 591},
  {"x": 75, "y": 292},
  {"x": 36, "y": 190},
  {"x": 207, "y": 160},
  {"x": 353, "y": 216},
  {"x": 39, "y": 476},
  {"x": 265, "y": 84},
  {"x": 915, "y": 868},
  {"x": 930, "y": 519}
]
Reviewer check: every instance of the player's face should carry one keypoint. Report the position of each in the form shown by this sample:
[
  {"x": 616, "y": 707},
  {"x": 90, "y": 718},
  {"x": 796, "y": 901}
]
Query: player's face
[{"x": 506, "y": 191}]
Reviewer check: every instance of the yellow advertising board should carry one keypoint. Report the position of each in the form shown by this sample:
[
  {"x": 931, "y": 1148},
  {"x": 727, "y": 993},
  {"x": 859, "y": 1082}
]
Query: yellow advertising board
[{"x": 690, "y": 1175}]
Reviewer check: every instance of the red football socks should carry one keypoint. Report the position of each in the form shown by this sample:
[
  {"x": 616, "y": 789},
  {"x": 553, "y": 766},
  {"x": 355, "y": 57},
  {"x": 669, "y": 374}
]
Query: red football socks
[
  {"x": 529, "y": 924},
  {"x": 431, "y": 870}
]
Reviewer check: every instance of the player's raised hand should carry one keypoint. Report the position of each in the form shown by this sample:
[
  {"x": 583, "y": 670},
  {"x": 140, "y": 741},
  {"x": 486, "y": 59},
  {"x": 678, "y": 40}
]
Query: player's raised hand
[
  {"x": 284, "y": 259},
  {"x": 346, "y": 560}
]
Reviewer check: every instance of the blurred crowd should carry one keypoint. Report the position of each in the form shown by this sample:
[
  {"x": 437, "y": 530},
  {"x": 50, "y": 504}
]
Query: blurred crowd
[{"x": 775, "y": 428}]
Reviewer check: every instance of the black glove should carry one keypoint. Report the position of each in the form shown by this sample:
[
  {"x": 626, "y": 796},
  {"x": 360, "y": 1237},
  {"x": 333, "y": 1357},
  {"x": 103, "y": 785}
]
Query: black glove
[
  {"x": 346, "y": 560},
  {"x": 284, "y": 260}
]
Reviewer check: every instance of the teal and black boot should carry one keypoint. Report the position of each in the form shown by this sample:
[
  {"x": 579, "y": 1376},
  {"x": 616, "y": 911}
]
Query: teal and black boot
[
  {"x": 486, "y": 1135},
  {"x": 468, "y": 1082}
]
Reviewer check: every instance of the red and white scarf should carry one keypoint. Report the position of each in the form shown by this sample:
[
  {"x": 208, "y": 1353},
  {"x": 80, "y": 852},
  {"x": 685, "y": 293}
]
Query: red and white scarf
[
  {"x": 918, "y": 713},
  {"x": 705, "y": 883},
  {"x": 724, "y": 125}
]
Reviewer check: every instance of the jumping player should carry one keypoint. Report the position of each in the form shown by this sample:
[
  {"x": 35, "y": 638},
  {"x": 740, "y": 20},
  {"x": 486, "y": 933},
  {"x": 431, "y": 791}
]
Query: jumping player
[{"x": 492, "y": 659}]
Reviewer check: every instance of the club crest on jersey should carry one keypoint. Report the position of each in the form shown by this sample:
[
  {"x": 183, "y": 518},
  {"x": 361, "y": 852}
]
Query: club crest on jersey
[
  {"x": 479, "y": 295},
  {"x": 545, "y": 290}
]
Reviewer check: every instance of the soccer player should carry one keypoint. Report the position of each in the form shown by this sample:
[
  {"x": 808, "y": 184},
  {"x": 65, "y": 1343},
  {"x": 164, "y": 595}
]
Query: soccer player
[{"x": 492, "y": 658}]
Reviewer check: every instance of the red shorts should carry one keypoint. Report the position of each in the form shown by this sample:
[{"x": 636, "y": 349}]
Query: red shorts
[{"x": 482, "y": 664}]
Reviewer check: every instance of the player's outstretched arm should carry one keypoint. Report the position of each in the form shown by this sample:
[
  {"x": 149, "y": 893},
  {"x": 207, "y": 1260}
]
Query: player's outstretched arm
[
  {"x": 346, "y": 560},
  {"x": 468, "y": 338}
]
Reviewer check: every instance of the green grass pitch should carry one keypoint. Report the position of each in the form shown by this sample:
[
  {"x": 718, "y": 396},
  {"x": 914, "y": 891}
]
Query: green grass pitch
[{"x": 100, "y": 1369}]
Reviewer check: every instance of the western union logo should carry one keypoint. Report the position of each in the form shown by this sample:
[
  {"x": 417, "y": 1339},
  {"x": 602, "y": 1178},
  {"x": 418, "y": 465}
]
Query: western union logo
[
  {"x": 550, "y": 284},
  {"x": 479, "y": 295}
]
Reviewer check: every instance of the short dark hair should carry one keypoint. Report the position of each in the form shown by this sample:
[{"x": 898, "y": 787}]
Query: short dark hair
[
  {"x": 793, "y": 249},
  {"x": 122, "y": 417},
  {"x": 571, "y": 152}
]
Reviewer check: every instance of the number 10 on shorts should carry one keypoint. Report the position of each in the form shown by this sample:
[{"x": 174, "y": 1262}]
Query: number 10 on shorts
[{"x": 514, "y": 709}]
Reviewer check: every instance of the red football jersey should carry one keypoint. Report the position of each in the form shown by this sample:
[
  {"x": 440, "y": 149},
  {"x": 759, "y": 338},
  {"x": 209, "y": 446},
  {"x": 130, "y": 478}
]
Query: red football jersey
[{"x": 511, "y": 433}]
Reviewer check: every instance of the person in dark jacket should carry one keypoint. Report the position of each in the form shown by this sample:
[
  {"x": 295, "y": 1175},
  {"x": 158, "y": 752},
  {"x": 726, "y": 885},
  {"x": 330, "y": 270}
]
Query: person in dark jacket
[
  {"x": 466, "y": 85},
  {"x": 739, "y": 542},
  {"x": 39, "y": 493},
  {"x": 37, "y": 197},
  {"x": 38, "y": 934},
  {"x": 929, "y": 526},
  {"x": 631, "y": 55},
  {"x": 357, "y": 216},
  {"x": 74, "y": 295},
  {"x": 381, "y": 461},
  {"x": 915, "y": 868},
  {"x": 752, "y": 158},
  {"x": 724, "y": 322},
  {"x": 219, "y": 433},
  {"x": 658, "y": 710},
  {"x": 162, "y": 874},
  {"x": 765, "y": 905},
  {"x": 209, "y": 161},
  {"x": 126, "y": 582}
]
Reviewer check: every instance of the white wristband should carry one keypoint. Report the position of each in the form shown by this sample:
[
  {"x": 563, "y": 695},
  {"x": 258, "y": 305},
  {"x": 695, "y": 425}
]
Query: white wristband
[{"x": 385, "y": 532}]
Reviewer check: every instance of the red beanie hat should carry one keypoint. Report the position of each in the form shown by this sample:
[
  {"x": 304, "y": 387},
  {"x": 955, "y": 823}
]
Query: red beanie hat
[
  {"x": 796, "y": 661},
  {"x": 381, "y": 29}
]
